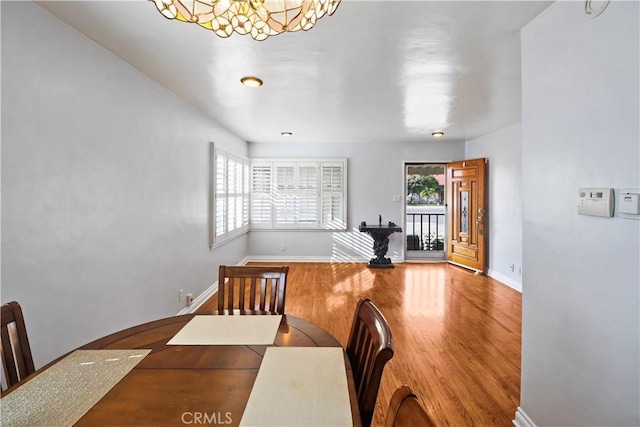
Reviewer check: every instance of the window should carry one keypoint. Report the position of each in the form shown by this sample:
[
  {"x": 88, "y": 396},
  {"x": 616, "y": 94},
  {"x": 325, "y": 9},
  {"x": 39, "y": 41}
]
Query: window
[
  {"x": 230, "y": 184},
  {"x": 298, "y": 194}
]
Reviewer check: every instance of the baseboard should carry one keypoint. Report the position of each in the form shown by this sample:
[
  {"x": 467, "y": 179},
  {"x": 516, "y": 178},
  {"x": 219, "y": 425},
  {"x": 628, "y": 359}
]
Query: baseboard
[
  {"x": 505, "y": 280},
  {"x": 289, "y": 258},
  {"x": 522, "y": 419},
  {"x": 197, "y": 303},
  {"x": 244, "y": 260}
]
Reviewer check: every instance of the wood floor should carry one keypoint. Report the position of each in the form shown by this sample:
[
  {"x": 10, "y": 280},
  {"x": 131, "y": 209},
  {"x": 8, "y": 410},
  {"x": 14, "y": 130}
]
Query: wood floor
[{"x": 456, "y": 335}]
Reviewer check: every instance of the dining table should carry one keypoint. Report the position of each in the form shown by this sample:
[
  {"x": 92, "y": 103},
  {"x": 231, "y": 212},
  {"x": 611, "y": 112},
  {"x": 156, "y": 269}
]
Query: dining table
[{"x": 166, "y": 381}]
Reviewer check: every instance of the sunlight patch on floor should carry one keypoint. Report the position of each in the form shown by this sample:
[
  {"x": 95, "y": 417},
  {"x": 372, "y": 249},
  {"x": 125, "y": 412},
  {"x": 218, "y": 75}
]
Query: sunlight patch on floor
[
  {"x": 424, "y": 292},
  {"x": 347, "y": 285}
]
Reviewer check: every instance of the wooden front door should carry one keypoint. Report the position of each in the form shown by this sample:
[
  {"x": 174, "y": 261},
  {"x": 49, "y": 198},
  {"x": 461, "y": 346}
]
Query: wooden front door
[{"x": 466, "y": 213}]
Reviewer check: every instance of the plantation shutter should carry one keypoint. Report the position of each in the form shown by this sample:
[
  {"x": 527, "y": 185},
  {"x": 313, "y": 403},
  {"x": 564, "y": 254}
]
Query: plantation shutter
[
  {"x": 333, "y": 196},
  {"x": 285, "y": 196},
  {"x": 298, "y": 194},
  {"x": 221, "y": 194},
  {"x": 230, "y": 191},
  {"x": 232, "y": 194},
  {"x": 246, "y": 191},
  {"x": 308, "y": 195},
  {"x": 261, "y": 195}
]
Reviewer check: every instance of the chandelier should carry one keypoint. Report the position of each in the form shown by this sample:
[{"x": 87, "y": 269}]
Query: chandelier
[{"x": 260, "y": 18}]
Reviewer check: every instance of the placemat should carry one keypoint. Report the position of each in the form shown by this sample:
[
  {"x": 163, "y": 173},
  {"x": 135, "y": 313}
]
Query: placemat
[
  {"x": 62, "y": 394},
  {"x": 228, "y": 330},
  {"x": 300, "y": 386}
]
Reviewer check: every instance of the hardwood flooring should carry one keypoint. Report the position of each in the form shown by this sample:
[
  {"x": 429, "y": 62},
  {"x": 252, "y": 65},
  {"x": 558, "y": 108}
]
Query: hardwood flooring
[{"x": 456, "y": 335}]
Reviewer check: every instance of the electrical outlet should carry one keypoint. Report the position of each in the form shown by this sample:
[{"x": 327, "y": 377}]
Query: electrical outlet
[
  {"x": 512, "y": 267},
  {"x": 180, "y": 292},
  {"x": 283, "y": 247}
]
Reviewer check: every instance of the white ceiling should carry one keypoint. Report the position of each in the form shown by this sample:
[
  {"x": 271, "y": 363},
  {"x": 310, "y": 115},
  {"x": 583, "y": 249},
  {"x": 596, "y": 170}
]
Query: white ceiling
[{"x": 375, "y": 71}]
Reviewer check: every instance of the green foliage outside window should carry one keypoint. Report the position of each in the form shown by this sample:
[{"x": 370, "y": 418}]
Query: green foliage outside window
[{"x": 425, "y": 187}]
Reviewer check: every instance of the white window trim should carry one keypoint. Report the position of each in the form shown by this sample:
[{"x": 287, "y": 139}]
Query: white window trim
[
  {"x": 271, "y": 198},
  {"x": 216, "y": 197}
]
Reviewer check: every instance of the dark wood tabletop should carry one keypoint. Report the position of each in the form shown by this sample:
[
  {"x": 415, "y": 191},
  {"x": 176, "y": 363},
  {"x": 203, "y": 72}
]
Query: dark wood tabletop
[{"x": 193, "y": 384}]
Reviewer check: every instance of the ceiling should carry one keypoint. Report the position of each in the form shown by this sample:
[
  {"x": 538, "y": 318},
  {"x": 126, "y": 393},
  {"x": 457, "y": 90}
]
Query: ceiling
[{"x": 375, "y": 71}]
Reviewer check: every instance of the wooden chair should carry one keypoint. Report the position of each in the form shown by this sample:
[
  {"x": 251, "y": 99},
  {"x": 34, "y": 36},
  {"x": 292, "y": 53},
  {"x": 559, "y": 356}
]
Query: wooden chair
[
  {"x": 17, "y": 361},
  {"x": 369, "y": 348},
  {"x": 405, "y": 410},
  {"x": 262, "y": 284}
]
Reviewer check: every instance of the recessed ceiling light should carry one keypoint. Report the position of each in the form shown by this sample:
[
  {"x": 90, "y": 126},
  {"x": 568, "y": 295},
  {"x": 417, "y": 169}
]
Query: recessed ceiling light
[
  {"x": 251, "y": 81},
  {"x": 437, "y": 133},
  {"x": 286, "y": 133}
]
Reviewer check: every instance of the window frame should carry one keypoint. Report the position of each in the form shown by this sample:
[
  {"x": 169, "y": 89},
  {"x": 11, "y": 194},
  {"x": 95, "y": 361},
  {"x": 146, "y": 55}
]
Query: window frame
[{"x": 234, "y": 188}]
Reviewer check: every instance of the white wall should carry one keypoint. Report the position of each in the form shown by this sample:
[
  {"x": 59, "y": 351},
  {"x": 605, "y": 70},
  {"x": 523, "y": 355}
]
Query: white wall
[
  {"x": 503, "y": 149},
  {"x": 375, "y": 176},
  {"x": 580, "y": 333},
  {"x": 104, "y": 187}
]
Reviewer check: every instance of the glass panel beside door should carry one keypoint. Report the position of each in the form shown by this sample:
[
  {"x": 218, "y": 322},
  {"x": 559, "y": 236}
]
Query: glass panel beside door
[{"x": 425, "y": 222}]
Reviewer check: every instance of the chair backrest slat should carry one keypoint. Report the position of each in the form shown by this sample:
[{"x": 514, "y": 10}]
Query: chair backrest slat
[
  {"x": 266, "y": 286},
  {"x": 230, "y": 288},
  {"x": 252, "y": 293},
  {"x": 17, "y": 360},
  {"x": 369, "y": 348},
  {"x": 263, "y": 292},
  {"x": 272, "y": 299},
  {"x": 242, "y": 292}
]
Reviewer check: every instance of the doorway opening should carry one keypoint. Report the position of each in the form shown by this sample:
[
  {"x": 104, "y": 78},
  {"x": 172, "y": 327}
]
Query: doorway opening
[{"x": 425, "y": 220}]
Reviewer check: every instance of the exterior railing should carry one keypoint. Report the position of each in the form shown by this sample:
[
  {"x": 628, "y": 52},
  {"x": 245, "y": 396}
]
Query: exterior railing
[{"x": 425, "y": 231}]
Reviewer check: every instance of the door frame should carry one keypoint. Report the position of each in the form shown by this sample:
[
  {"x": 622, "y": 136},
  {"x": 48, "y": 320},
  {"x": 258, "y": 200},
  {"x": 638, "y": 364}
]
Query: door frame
[{"x": 403, "y": 213}]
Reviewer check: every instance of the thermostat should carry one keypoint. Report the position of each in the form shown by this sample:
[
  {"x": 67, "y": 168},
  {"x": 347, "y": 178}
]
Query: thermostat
[{"x": 595, "y": 201}]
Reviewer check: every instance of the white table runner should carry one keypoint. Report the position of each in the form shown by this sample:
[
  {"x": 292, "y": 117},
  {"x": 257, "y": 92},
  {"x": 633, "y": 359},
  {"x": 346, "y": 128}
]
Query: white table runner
[
  {"x": 62, "y": 394},
  {"x": 228, "y": 330},
  {"x": 300, "y": 386}
]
